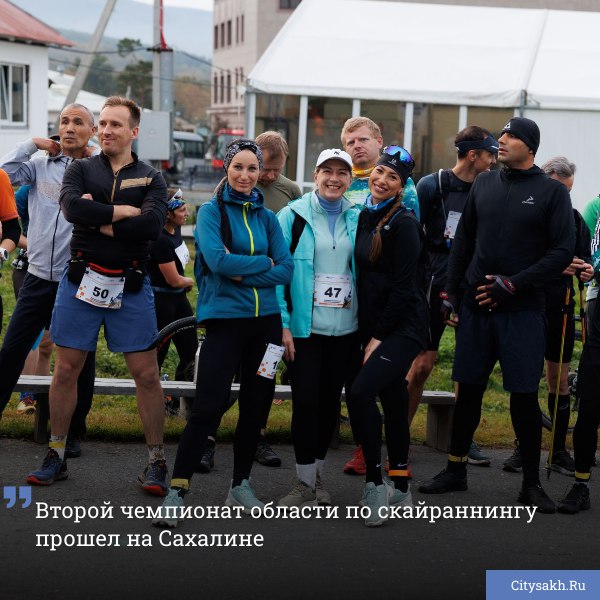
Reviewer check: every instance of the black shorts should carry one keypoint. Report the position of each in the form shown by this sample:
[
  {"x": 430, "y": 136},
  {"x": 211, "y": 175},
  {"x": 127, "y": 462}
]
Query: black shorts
[
  {"x": 554, "y": 327},
  {"x": 436, "y": 319},
  {"x": 516, "y": 339}
]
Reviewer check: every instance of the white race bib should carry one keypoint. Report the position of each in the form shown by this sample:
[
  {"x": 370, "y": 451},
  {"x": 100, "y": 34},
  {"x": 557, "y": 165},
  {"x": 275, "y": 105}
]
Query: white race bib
[
  {"x": 183, "y": 254},
  {"x": 334, "y": 291},
  {"x": 270, "y": 361},
  {"x": 99, "y": 290},
  {"x": 451, "y": 224}
]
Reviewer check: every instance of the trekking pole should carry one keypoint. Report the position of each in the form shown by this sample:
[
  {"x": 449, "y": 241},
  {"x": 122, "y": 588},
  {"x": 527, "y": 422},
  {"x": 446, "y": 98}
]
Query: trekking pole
[
  {"x": 582, "y": 310},
  {"x": 560, "y": 357}
]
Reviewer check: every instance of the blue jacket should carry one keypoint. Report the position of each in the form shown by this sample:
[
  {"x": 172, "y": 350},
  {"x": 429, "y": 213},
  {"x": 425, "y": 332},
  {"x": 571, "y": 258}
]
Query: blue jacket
[
  {"x": 256, "y": 235},
  {"x": 306, "y": 319}
]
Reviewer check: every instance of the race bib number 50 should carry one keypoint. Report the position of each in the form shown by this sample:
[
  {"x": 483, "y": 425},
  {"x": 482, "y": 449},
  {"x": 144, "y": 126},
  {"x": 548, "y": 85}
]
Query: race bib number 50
[{"x": 99, "y": 290}]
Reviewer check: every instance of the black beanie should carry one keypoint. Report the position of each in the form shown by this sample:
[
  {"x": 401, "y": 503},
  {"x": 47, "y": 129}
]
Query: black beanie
[
  {"x": 526, "y": 130},
  {"x": 393, "y": 162}
]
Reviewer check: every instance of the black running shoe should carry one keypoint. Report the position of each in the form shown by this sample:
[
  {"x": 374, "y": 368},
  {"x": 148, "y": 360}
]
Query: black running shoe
[
  {"x": 577, "y": 499},
  {"x": 534, "y": 495},
  {"x": 207, "y": 462},
  {"x": 265, "y": 455},
  {"x": 443, "y": 482}
]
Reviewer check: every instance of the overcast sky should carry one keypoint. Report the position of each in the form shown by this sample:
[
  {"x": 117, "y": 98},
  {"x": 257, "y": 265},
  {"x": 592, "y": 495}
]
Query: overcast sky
[{"x": 201, "y": 4}]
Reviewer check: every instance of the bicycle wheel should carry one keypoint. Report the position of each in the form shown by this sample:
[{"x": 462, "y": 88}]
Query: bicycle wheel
[{"x": 170, "y": 368}]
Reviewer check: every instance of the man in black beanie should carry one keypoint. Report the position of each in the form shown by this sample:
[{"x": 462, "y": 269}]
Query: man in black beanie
[{"x": 516, "y": 234}]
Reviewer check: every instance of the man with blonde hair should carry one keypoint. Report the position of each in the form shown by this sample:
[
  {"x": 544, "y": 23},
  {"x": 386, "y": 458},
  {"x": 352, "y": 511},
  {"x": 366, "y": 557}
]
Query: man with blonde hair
[{"x": 277, "y": 189}]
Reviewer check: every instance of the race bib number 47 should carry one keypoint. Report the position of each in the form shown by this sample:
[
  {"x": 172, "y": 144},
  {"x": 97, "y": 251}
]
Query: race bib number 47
[
  {"x": 99, "y": 290},
  {"x": 334, "y": 291}
]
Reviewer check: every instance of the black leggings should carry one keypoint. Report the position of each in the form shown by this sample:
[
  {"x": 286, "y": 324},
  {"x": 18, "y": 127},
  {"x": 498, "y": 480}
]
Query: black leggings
[
  {"x": 526, "y": 419},
  {"x": 169, "y": 308},
  {"x": 321, "y": 366},
  {"x": 229, "y": 344},
  {"x": 384, "y": 375},
  {"x": 585, "y": 435}
]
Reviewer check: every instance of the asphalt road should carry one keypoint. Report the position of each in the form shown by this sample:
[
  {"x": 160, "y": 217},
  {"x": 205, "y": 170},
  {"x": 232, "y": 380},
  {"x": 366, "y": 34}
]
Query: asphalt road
[{"x": 299, "y": 559}]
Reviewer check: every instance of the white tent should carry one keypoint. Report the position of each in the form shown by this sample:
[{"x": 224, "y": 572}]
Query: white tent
[{"x": 528, "y": 59}]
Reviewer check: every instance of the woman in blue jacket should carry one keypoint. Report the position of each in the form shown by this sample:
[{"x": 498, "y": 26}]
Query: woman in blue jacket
[
  {"x": 320, "y": 317},
  {"x": 241, "y": 257},
  {"x": 393, "y": 320}
]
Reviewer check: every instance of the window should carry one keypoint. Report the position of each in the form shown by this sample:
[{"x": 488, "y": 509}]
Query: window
[
  {"x": 289, "y": 4},
  {"x": 242, "y": 29},
  {"x": 222, "y": 94},
  {"x": 281, "y": 114},
  {"x": 216, "y": 35},
  {"x": 215, "y": 89},
  {"x": 229, "y": 87},
  {"x": 326, "y": 117},
  {"x": 13, "y": 94},
  {"x": 237, "y": 30},
  {"x": 229, "y": 32},
  {"x": 434, "y": 129},
  {"x": 222, "y": 35}
]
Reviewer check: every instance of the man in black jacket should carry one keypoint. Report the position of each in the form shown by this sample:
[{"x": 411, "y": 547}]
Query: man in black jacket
[
  {"x": 117, "y": 205},
  {"x": 516, "y": 234}
]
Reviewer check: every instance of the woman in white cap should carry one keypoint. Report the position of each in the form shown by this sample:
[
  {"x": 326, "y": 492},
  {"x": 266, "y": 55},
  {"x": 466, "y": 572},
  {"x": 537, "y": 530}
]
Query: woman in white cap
[
  {"x": 319, "y": 316},
  {"x": 393, "y": 319}
]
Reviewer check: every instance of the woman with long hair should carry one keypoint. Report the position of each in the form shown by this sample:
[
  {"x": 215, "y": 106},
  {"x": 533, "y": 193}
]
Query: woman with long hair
[
  {"x": 393, "y": 318},
  {"x": 241, "y": 257}
]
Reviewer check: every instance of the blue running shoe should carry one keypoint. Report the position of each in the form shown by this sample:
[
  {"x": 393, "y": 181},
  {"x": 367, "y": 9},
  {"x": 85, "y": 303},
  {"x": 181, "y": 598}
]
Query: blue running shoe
[
  {"x": 170, "y": 511},
  {"x": 375, "y": 498},
  {"x": 53, "y": 469},
  {"x": 243, "y": 495},
  {"x": 154, "y": 478}
]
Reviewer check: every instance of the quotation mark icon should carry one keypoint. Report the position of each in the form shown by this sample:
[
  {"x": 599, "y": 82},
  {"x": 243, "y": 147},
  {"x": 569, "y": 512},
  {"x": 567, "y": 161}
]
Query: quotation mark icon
[{"x": 10, "y": 494}]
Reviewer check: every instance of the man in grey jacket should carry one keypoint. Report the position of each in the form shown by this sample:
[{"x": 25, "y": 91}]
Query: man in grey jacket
[{"x": 48, "y": 241}]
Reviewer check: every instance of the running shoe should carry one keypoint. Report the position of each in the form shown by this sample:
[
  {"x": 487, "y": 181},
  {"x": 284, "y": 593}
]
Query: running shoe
[
  {"x": 53, "y": 469},
  {"x": 562, "y": 462},
  {"x": 514, "y": 463},
  {"x": 578, "y": 498},
  {"x": 300, "y": 495},
  {"x": 169, "y": 511},
  {"x": 265, "y": 455},
  {"x": 376, "y": 497},
  {"x": 477, "y": 457},
  {"x": 356, "y": 465},
  {"x": 154, "y": 478},
  {"x": 26, "y": 404},
  {"x": 243, "y": 495}
]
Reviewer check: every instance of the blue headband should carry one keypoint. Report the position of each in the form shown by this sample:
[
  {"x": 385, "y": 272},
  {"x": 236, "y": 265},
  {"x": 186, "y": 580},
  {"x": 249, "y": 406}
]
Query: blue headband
[
  {"x": 489, "y": 143},
  {"x": 176, "y": 200}
]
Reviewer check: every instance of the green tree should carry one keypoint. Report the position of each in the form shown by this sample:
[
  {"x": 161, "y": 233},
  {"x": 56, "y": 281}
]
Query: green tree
[
  {"x": 100, "y": 78},
  {"x": 136, "y": 79}
]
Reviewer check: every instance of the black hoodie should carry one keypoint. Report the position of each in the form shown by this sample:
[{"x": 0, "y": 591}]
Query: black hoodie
[{"x": 516, "y": 223}]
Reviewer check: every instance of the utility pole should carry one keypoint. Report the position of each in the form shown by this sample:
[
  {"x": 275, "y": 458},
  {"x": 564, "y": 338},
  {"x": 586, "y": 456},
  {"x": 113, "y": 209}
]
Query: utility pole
[
  {"x": 162, "y": 65},
  {"x": 86, "y": 60},
  {"x": 162, "y": 71}
]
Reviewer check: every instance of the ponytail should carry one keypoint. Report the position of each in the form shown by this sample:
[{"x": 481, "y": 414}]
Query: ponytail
[
  {"x": 225, "y": 224},
  {"x": 375, "y": 251}
]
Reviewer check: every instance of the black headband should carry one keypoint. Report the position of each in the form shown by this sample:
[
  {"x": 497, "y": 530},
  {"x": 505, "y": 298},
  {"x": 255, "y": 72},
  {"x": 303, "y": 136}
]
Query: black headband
[{"x": 489, "y": 143}]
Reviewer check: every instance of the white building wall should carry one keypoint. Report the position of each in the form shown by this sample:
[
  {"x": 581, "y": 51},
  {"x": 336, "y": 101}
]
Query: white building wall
[
  {"x": 36, "y": 58},
  {"x": 573, "y": 134}
]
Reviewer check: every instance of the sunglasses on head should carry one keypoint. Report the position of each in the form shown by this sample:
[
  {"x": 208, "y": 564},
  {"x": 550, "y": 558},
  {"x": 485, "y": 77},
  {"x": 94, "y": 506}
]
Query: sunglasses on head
[
  {"x": 178, "y": 195},
  {"x": 401, "y": 154}
]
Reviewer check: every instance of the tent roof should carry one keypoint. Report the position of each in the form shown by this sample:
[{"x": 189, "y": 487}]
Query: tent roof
[{"x": 462, "y": 55}]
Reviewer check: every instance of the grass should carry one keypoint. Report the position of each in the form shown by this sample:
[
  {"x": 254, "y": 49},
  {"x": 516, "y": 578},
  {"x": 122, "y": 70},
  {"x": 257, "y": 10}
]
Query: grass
[{"x": 116, "y": 418}]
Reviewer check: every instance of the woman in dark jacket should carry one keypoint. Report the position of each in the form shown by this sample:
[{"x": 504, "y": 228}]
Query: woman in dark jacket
[{"x": 393, "y": 322}]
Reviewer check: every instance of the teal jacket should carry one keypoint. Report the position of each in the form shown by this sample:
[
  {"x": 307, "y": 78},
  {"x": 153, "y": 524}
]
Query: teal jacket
[
  {"x": 335, "y": 256},
  {"x": 256, "y": 239}
]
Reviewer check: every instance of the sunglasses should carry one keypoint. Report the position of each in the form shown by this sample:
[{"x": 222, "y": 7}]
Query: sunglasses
[{"x": 401, "y": 154}]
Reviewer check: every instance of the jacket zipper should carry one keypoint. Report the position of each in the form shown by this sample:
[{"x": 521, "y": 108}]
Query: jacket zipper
[{"x": 245, "y": 210}]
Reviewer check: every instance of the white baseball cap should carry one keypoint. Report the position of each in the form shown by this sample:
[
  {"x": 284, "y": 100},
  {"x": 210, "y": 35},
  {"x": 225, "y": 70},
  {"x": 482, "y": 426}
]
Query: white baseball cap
[{"x": 334, "y": 153}]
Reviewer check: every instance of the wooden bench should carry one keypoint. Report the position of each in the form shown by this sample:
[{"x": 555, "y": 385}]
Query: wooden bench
[{"x": 440, "y": 405}]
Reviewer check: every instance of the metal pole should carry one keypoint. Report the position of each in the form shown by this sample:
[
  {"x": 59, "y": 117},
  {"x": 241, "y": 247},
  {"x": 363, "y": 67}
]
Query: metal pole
[{"x": 86, "y": 59}]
